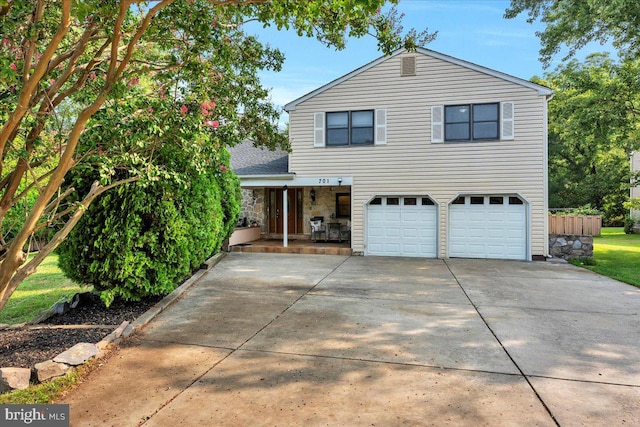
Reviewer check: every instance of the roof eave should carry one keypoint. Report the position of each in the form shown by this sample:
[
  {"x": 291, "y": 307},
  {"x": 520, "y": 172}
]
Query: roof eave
[
  {"x": 541, "y": 90},
  {"x": 268, "y": 176}
]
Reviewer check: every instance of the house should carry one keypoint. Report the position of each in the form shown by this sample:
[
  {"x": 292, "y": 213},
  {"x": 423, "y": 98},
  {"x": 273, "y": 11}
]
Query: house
[{"x": 420, "y": 154}]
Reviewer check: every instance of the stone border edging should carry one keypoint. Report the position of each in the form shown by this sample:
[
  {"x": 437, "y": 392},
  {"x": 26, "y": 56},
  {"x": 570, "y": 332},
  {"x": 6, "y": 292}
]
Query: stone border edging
[{"x": 13, "y": 378}]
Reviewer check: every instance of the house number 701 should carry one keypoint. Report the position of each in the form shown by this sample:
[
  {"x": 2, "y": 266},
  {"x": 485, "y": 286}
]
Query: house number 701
[{"x": 323, "y": 180}]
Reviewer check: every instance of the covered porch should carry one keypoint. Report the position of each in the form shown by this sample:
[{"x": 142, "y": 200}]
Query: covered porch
[{"x": 283, "y": 208}]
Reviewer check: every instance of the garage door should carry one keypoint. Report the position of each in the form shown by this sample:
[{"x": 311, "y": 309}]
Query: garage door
[
  {"x": 402, "y": 226},
  {"x": 488, "y": 227}
]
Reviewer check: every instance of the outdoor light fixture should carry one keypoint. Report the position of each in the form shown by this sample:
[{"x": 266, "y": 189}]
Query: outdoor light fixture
[
  {"x": 339, "y": 182},
  {"x": 312, "y": 193}
]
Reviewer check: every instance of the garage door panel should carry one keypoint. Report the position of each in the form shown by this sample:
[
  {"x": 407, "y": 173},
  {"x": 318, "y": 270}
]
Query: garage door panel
[
  {"x": 410, "y": 216},
  {"x": 392, "y": 248},
  {"x": 410, "y": 233},
  {"x": 392, "y": 233},
  {"x": 376, "y": 217},
  {"x": 407, "y": 230},
  {"x": 487, "y": 230},
  {"x": 376, "y": 232}
]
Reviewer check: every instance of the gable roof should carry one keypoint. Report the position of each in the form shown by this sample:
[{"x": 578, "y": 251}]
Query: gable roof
[
  {"x": 542, "y": 90},
  {"x": 248, "y": 160}
]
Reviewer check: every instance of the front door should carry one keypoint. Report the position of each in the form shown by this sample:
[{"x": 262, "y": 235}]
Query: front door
[{"x": 294, "y": 206}]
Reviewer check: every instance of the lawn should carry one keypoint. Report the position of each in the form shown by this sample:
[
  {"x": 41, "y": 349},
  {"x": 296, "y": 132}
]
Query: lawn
[
  {"x": 617, "y": 255},
  {"x": 38, "y": 292}
]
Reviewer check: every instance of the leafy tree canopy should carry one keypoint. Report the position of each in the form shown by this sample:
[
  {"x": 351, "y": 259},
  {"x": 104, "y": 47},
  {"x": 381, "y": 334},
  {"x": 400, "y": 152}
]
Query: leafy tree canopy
[
  {"x": 593, "y": 128},
  {"x": 574, "y": 23}
]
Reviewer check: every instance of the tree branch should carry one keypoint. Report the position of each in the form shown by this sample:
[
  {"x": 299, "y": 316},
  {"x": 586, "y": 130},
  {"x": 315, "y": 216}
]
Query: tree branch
[{"x": 32, "y": 83}]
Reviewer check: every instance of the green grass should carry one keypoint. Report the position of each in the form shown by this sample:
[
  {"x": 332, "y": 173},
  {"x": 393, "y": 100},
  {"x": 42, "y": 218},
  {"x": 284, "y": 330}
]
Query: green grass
[
  {"x": 617, "y": 255},
  {"x": 38, "y": 292},
  {"x": 45, "y": 392},
  {"x": 52, "y": 390}
]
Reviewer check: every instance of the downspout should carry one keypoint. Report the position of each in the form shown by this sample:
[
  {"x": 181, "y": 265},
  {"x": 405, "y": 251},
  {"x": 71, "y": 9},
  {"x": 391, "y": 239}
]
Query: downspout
[{"x": 285, "y": 216}]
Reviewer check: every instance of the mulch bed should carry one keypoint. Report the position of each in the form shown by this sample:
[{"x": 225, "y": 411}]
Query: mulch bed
[{"x": 23, "y": 348}]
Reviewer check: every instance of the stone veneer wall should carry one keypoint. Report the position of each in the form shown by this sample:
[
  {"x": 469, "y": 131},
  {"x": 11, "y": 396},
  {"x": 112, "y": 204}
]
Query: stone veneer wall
[
  {"x": 568, "y": 246},
  {"x": 324, "y": 205},
  {"x": 253, "y": 207}
]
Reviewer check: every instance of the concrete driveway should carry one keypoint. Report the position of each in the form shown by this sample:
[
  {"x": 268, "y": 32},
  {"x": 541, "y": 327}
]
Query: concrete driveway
[{"x": 275, "y": 339}]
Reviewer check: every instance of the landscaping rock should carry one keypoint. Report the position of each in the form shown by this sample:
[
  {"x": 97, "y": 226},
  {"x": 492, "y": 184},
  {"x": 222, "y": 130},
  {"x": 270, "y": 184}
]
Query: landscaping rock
[
  {"x": 78, "y": 354},
  {"x": 569, "y": 246},
  {"x": 49, "y": 369},
  {"x": 14, "y": 379},
  {"x": 104, "y": 343}
]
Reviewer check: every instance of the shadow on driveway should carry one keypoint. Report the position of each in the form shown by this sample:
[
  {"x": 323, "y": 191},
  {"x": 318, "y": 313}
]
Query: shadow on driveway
[{"x": 274, "y": 339}]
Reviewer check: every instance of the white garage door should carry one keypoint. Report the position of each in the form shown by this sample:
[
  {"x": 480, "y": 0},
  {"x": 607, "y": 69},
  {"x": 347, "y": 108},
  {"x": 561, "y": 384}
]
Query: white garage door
[
  {"x": 488, "y": 227},
  {"x": 402, "y": 226}
]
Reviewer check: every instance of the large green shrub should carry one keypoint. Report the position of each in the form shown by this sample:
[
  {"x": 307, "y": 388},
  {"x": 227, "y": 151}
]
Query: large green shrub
[{"x": 142, "y": 239}]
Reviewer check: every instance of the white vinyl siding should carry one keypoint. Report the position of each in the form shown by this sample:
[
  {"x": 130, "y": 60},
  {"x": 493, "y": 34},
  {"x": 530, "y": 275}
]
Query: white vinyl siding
[{"x": 408, "y": 163}]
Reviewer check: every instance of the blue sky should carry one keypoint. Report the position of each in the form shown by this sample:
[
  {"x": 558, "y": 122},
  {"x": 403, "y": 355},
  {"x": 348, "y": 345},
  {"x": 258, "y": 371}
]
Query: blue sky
[{"x": 472, "y": 30}]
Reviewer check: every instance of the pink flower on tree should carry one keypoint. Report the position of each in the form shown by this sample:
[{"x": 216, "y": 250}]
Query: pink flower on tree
[
  {"x": 184, "y": 110},
  {"x": 205, "y": 107},
  {"x": 223, "y": 168},
  {"x": 14, "y": 67},
  {"x": 213, "y": 123},
  {"x": 92, "y": 75},
  {"x": 133, "y": 81}
]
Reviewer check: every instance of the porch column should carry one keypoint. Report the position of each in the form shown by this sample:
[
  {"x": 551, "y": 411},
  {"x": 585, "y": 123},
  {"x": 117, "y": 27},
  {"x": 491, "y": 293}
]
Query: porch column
[{"x": 285, "y": 215}]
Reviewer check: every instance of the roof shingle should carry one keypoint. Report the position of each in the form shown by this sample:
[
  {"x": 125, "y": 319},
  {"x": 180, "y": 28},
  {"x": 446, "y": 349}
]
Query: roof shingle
[{"x": 249, "y": 160}]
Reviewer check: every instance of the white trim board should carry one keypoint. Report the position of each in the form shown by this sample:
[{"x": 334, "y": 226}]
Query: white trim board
[{"x": 293, "y": 181}]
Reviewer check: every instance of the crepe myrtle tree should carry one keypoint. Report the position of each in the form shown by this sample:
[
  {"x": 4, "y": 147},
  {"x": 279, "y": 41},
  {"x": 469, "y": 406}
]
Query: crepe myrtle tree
[{"x": 63, "y": 61}]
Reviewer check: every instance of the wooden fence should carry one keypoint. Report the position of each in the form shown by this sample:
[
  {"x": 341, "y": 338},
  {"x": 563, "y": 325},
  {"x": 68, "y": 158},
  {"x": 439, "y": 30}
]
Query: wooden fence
[{"x": 575, "y": 224}]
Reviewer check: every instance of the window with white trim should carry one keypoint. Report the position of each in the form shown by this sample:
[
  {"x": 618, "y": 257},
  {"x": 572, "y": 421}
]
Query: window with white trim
[
  {"x": 349, "y": 128},
  {"x": 472, "y": 122}
]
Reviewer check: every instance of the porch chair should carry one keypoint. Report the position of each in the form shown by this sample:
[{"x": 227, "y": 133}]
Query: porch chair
[
  {"x": 317, "y": 229},
  {"x": 345, "y": 232}
]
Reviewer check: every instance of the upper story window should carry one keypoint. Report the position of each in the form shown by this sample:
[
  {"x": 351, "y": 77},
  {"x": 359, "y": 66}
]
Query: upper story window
[
  {"x": 472, "y": 122},
  {"x": 350, "y": 128}
]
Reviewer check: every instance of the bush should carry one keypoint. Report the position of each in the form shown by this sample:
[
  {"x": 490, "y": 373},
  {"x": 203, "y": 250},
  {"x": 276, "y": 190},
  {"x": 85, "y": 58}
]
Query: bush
[
  {"x": 585, "y": 210},
  {"x": 142, "y": 239},
  {"x": 628, "y": 224},
  {"x": 614, "y": 221}
]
